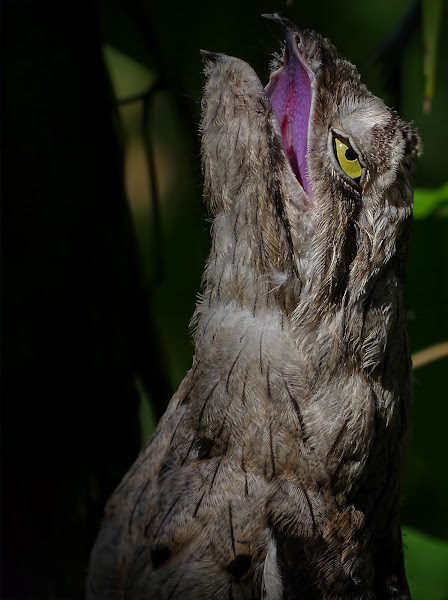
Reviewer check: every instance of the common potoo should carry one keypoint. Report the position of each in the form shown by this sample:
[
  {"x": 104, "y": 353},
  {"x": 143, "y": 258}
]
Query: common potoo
[{"x": 275, "y": 471}]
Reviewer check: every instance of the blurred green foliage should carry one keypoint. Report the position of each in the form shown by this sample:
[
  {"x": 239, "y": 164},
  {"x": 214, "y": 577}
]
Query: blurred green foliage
[
  {"x": 426, "y": 565},
  {"x": 431, "y": 202}
]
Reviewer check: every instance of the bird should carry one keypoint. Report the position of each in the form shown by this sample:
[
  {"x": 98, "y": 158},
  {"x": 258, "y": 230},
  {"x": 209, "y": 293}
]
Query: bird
[{"x": 275, "y": 470}]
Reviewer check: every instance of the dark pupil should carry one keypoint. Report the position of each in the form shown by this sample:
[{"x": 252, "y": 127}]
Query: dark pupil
[{"x": 350, "y": 154}]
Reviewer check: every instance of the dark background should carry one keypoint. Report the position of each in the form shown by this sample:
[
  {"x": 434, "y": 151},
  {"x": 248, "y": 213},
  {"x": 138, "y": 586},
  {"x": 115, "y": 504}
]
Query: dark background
[{"x": 104, "y": 238}]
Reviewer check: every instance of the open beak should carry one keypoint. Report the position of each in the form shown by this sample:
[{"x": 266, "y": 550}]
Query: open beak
[{"x": 290, "y": 92}]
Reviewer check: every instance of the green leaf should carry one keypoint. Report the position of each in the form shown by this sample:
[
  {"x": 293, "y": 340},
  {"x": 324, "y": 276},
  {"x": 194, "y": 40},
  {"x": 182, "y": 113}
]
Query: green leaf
[
  {"x": 428, "y": 202},
  {"x": 426, "y": 561},
  {"x": 432, "y": 13}
]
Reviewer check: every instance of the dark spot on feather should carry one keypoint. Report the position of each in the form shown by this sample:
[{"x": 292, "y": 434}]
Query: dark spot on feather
[
  {"x": 167, "y": 465},
  {"x": 204, "y": 446},
  {"x": 239, "y": 566},
  {"x": 185, "y": 400},
  {"x": 159, "y": 555}
]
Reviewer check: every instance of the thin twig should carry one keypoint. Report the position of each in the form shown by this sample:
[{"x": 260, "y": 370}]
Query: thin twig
[{"x": 423, "y": 357}]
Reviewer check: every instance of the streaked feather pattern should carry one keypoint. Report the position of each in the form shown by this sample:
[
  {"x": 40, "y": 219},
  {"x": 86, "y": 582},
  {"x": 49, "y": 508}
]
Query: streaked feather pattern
[{"x": 275, "y": 471}]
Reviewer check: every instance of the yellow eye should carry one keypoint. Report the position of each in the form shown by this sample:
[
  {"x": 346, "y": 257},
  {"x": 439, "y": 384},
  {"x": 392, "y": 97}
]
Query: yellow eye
[{"x": 347, "y": 158}]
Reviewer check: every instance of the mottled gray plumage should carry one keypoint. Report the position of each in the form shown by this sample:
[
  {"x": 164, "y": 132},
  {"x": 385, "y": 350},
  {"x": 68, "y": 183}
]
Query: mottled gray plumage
[{"x": 275, "y": 472}]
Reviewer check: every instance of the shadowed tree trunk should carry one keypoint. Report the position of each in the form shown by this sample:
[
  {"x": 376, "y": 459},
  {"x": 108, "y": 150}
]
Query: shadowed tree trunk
[{"x": 76, "y": 329}]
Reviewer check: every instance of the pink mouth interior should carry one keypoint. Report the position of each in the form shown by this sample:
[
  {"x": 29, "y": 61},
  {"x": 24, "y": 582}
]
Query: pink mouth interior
[{"x": 289, "y": 91}]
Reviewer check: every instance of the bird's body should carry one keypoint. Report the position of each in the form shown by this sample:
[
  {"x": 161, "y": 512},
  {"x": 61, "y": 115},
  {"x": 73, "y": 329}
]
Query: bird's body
[{"x": 275, "y": 471}]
